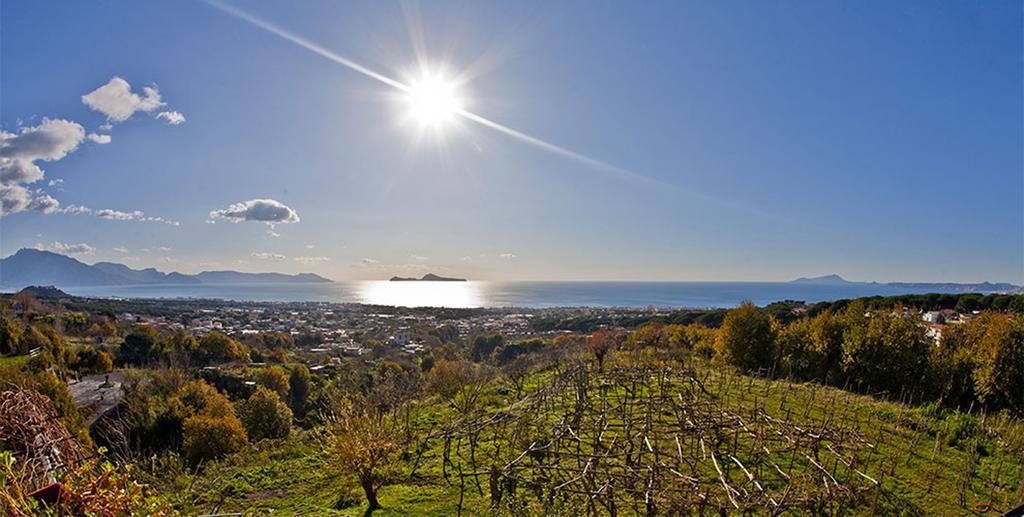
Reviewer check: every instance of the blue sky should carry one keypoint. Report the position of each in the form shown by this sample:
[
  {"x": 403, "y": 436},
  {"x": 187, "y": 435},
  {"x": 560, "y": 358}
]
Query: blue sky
[{"x": 760, "y": 140}]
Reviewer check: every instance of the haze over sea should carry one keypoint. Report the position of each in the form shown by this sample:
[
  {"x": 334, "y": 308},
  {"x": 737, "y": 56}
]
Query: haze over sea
[{"x": 510, "y": 294}]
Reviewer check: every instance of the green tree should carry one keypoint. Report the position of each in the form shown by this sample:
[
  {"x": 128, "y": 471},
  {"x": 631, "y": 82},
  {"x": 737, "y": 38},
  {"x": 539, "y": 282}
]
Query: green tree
[
  {"x": 275, "y": 379},
  {"x": 747, "y": 338},
  {"x": 208, "y": 437},
  {"x": 10, "y": 333},
  {"x": 140, "y": 346},
  {"x": 483, "y": 346},
  {"x": 264, "y": 415},
  {"x": 999, "y": 371},
  {"x": 215, "y": 348},
  {"x": 299, "y": 387},
  {"x": 884, "y": 350}
]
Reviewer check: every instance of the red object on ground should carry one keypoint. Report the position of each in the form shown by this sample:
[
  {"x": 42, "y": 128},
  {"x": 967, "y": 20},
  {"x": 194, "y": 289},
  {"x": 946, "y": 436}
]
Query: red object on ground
[{"x": 48, "y": 494}]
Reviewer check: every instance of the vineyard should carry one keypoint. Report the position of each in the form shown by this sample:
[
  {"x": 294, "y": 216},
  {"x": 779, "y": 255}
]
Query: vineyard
[
  {"x": 648, "y": 437},
  {"x": 659, "y": 440}
]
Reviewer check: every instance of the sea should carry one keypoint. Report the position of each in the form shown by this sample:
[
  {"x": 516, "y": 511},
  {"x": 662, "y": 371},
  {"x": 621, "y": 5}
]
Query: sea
[{"x": 509, "y": 294}]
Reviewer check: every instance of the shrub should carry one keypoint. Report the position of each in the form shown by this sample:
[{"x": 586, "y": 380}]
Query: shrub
[
  {"x": 264, "y": 415},
  {"x": 208, "y": 437},
  {"x": 746, "y": 339},
  {"x": 274, "y": 378}
]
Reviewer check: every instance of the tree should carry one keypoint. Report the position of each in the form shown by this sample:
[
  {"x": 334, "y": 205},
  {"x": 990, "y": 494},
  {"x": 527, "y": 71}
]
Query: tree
[
  {"x": 208, "y": 437},
  {"x": 600, "y": 343},
  {"x": 181, "y": 346},
  {"x": 999, "y": 372},
  {"x": 647, "y": 336},
  {"x": 274, "y": 378},
  {"x": 299, "y": 386},
  {"x": 363, "y": 443},
  {"x": 884, "y": 350},
  {"x": 483, "y": 346},
  {"x": 811, "y": 348},
  {"x": 140, "y": 346},
  {"x": 747, "y": 338},
  {"x": 10, "y": 333},
  {"x": 461, "y": 383},
  {"x": 265, "y": 416},
  {"x": 104, "y": 363},
  {"x": 218, "y": 348}
]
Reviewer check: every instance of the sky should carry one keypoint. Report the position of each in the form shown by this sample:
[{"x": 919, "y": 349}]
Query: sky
[{"x": 635, "y": 141}]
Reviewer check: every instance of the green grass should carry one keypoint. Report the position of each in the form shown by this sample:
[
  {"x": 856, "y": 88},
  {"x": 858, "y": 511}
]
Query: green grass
[{"x": 929, "y": 461}]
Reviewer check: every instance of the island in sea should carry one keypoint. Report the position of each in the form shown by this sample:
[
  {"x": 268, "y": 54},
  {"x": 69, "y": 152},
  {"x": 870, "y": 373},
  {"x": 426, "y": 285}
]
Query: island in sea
[{"x": 429, "y": 277}]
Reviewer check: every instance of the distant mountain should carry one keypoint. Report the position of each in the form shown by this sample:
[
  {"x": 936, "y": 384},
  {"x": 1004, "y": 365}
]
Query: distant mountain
[
  {"x": 30, "y": 267},
  {"x": 938, "y": 287},
  {"x": 47, "y": 292},
  {"x": 145, "y": 276},
  {"x": 429, "y": 277},
  {"x": 234, "y": 277},
  {"x": 822, "y": 280}
]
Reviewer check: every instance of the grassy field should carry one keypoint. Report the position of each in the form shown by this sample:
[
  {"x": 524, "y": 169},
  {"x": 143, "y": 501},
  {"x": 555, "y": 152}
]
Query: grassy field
[{"x": 910, "y": 460}]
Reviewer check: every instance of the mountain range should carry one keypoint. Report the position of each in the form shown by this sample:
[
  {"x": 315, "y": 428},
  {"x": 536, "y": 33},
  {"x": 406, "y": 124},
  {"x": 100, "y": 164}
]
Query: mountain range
[
  {"x": 948, "y": 287},
  {"x": 36, "y": 267}
]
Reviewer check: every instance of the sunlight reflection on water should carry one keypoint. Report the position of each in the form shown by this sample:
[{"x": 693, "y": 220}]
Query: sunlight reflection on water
[{"x": 421, "y": 294}]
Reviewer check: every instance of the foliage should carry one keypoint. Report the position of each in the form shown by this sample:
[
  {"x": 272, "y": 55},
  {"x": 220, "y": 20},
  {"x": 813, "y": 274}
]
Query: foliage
[
  {"x": 141, "y": 346},
  {"x": 362, "y": 444},
  {"x": 746, "y": 338},
  {"x": 216, "y": 348},
  {"x": 95, "y": 487},
  {"x": 264, "y": 415},
  {"x": 299, "y": 387},
  {"x": 601, "y": 342},
  {"x": 484, "y": 345},
  {"x": 274, "y": 378},
  {"x": 207, "y": 437}
]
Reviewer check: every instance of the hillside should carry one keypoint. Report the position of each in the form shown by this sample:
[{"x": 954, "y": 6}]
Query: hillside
[
  {"x": 826, "y": 450},
  {"x": 36, "y": 267}
]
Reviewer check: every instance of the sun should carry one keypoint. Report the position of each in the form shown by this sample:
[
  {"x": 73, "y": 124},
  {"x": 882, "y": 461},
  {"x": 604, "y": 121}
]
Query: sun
[{"x": 433, "y": 100}]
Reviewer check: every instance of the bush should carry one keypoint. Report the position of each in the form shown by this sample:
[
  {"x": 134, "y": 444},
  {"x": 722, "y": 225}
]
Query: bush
[
  {"x": 208, "y": 437},
  {"x": 747, "y": 338},
  {"x": 217, "y": 348},
  {"x": 140, "y": 346},
  {"x": 275, "y": 379},
  {"x": 264, "y": 415}
]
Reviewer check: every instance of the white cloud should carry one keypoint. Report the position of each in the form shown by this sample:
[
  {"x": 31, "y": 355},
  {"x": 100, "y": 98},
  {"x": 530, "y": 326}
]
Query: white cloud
[
  {"x": 508, "y": 256},
  {"x": 13, "y": 199},
  {"x": 120, "y": 249},
  {"x": 55, "y": 182},
  {"x": 310, "y": 246},
  {"x": 260, "y": 210},
  {"x": 467, "y": 258},
  {"x": 117, "y": 101},
  {"x": 369, "y": 261},
  {"x": 310, "y": 261},
  {"x": 164, "y": 248},
  {"x": 168, "y": 260},
  {"x": 118, "y": 215},
  {"x": 71, "y": 249},
  {"x": 272, "y": 233},
  {"x": 268, "y": 256},
  {"x": 45, "y": 204},
  {"x": 98, "y": 138},
  {"x": 417, "y": 257},
  {"x": 172, "y": 117},
  {"x": 49, "y": 141}
]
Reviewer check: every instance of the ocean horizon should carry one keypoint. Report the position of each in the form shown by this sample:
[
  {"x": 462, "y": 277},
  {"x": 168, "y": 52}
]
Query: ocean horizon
[{"x": 526, "y": 294}]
